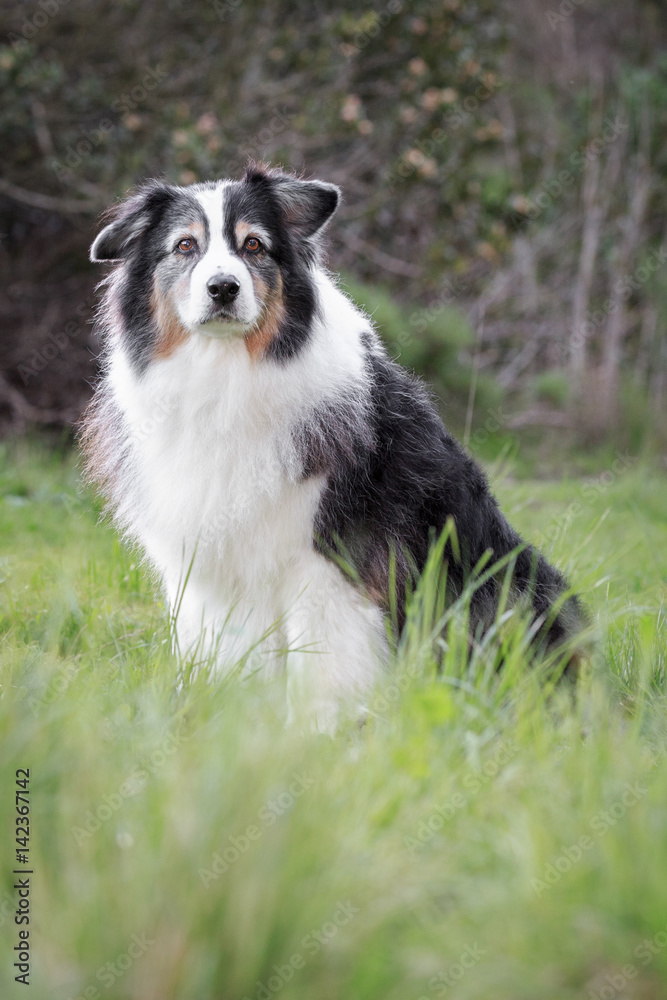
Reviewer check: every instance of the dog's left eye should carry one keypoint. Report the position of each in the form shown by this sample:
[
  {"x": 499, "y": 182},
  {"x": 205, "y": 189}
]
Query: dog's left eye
[
  {"x": 186, "y": 245},
  {"x": 252, "y": 244}
]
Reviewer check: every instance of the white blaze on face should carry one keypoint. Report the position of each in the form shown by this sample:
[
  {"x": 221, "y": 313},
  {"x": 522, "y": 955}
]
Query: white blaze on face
[{"x": 218, "y": 260}]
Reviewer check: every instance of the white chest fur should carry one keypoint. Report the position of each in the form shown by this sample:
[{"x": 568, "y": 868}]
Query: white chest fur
[
  {"x": 214, "y": 487},
  {"x": 215, "y": 476}
]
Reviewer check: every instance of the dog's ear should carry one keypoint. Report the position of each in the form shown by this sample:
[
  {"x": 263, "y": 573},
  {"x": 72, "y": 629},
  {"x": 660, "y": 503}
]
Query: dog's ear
[
  {"x": 306, "y": 206},
  {"x": 130, "y": 220}
]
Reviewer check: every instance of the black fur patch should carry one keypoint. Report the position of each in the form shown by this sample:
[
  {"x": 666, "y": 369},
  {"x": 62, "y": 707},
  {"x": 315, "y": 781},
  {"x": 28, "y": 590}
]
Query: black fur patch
[
  {"x": 293, "y": 212},
  {"x": 394, "y": 473},
  {"x": 137, "y": 238},
  {"x": 389, "y": 495},
  {"x": 259, "y": 199}
]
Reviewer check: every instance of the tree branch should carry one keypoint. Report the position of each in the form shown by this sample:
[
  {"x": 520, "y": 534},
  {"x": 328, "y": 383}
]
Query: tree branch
[{"x": 48, "y": 202}]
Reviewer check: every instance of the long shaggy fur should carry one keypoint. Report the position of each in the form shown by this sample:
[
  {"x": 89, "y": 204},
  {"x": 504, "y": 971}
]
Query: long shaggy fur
[{"x": 250, "y": 426}]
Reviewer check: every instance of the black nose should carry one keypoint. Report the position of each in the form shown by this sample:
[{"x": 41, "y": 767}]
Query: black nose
[{"x": 223, "y": 288}]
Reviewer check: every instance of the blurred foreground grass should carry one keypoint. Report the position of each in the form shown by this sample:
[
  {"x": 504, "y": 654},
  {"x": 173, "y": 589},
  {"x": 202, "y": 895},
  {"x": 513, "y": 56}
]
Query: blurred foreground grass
[{"x": 482, "y": 836}]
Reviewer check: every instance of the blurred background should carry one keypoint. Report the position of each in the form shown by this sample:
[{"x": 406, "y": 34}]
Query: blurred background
[
  {"x": 505, "y": 217},
  {"x": 503, "y": 168}
]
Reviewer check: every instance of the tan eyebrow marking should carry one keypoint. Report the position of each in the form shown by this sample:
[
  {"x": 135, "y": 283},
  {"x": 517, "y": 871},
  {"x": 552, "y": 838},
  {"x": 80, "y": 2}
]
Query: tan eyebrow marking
[
  {"x": 195, "y": 229},
  {"x": 198, "y": 231},
  {"x": 243, "y": 230}
]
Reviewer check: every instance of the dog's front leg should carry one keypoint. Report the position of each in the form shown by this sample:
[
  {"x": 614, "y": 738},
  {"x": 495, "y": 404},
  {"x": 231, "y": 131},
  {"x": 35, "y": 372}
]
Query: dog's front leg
[
  {"x": 336, "y": 645},
  {"x": 220, "y": 638}
]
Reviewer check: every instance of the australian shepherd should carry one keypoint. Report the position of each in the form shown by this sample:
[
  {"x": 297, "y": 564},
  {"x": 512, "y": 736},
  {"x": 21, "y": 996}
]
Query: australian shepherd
[{"x": 282, "y": 474}]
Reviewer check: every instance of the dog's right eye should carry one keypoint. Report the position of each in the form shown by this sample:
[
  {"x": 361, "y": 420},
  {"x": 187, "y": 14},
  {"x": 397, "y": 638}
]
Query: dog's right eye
[{"x": 186, "y": 245}]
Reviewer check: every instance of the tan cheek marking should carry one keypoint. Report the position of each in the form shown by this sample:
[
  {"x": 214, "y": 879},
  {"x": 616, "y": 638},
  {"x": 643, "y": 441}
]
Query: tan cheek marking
[
  {"x": 268, "y": 325},
  {"x": 171, "y": 332},
  {"x": 262, "y": 290}
]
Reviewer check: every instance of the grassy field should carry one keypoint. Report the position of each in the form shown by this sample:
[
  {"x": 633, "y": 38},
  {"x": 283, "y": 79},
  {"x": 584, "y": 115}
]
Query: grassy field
[{"x": 483, "y": 836}]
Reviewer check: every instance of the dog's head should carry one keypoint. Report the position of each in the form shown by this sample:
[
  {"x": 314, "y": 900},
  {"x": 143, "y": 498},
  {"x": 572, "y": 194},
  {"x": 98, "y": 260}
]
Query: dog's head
[{"x": 230, "y": 258}]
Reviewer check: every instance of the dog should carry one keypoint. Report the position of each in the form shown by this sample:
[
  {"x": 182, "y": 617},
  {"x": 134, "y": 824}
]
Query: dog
[{"x": 281, "y": 473}]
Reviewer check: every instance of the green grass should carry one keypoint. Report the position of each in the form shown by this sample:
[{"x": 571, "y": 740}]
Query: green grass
[{"x": 483, "y": 836}]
